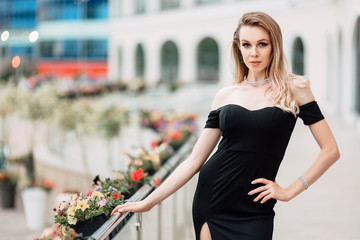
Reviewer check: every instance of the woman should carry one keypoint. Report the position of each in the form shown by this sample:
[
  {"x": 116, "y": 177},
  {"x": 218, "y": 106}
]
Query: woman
[{"x": 236, "y": 190}]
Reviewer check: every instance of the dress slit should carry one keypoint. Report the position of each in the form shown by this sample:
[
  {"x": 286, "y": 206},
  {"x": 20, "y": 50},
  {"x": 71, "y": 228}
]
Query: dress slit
[{"x": 205, "y": 227}]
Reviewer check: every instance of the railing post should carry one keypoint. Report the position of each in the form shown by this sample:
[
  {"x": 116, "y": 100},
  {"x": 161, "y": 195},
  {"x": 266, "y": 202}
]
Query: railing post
[
  {"x": 138, "y": 225},
  {"x": 159, "y": 222}
]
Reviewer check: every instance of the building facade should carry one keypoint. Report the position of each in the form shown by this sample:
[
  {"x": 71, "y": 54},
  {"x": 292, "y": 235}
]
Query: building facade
[
  {"x": 17, "y": 26},
  {"x": 190, "y": 41},
  {"x": 73, "y": 37}
]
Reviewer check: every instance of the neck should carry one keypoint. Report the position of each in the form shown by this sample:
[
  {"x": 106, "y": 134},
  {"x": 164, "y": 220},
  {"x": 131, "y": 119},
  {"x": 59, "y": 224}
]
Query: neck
[{"x": 255, "y": 77}]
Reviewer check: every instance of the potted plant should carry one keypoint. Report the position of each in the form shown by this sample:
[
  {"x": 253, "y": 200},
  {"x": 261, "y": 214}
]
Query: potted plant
[
  {"x": 34, "y": 197},
  {"x": 85, "y": 214},
  {"x": 8, "y": 181}
]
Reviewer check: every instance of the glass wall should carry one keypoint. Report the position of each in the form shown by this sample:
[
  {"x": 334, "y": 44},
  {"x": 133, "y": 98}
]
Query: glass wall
[
  {"x": 74, "y": 49},
  {"x": 17, "y": 14},
  {"x": 73, "y": 9}
]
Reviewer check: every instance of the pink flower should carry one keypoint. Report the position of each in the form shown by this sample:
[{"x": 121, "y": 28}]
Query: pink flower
[{"x": 101, "y": 203}]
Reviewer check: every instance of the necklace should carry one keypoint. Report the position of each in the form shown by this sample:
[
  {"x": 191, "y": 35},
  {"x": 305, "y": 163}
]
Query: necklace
[{"x": 257, "y": 83}]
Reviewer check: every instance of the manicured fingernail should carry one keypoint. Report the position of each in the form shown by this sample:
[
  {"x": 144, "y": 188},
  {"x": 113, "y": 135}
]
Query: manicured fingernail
[
  {"x": 252, "y": 182},
  {"x": 249, "y": 193}
]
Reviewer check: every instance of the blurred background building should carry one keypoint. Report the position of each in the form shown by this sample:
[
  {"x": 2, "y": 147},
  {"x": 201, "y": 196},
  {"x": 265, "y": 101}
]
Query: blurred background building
[{"x": 188, "y": 41}]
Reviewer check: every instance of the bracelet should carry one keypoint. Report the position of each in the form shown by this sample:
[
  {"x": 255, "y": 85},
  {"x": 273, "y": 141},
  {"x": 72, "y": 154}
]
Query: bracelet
[{"x": 304, "y": 182}]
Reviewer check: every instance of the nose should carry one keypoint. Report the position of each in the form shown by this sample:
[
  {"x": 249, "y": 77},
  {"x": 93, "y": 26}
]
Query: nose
[{"x": 254, "y": 52}]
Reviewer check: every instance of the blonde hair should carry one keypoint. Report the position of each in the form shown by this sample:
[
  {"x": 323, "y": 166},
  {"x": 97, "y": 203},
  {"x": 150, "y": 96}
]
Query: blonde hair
[{"x": 279, "y": 92}]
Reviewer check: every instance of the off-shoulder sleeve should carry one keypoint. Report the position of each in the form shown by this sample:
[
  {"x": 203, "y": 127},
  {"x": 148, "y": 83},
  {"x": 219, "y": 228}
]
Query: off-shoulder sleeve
[
  {"x": 310, "y": 113},
  {"x": 213, "y": 120}
]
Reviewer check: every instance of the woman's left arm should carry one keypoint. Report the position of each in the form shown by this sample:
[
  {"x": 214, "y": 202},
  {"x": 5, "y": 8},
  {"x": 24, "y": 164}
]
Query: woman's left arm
[{"x": 329, "y": 154}]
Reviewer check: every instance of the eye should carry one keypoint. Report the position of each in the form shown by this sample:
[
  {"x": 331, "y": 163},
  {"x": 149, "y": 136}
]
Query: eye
[
  {"x": 263, "y": 44},
  {"x": 246, "y": 45}
]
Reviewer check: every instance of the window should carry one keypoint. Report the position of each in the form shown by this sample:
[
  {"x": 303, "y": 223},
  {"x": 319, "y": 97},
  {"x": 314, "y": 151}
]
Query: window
[
  {"x": 298, "y": 57},
  {"x": 140, "y": 6},
  {"x": 208, "y": 60},
  {"x": 139, "y": 61},
  {"x": 169, "y": 4},
  {"x": 203, "y": 2},
  {"x": 169, "y": 62},
  {"x": 47, "y": 49},
  {"x": 70, "y": 49},
  {"x": 357, "y": 69},
  {"x": 94, "y": 49}
]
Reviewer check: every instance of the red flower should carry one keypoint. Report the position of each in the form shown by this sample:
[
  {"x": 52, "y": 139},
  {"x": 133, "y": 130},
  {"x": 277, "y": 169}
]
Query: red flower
[
  {"x": 176, "y": 135},
  {"x": 157, "y": 182},
  {"x": 137, "y": 175},
  {"x": 116, "y": 195},
  {"x": 154, "y": 144},
  {"x": 88, "y": 193}
]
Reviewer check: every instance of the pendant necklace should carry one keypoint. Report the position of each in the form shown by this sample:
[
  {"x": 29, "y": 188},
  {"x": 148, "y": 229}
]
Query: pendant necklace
[{"x": 257, "y": 83}]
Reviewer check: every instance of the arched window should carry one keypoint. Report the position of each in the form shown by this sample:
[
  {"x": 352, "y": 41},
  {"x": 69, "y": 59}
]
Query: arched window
[
  {"x": 169, "y": 62},
  {"x": 357, "y": 69},
  {"x": 208, "y": 60},
  {"x": 139, "y": 62},
  {"x": 169, "y": 4},
  {"x": 298, "y": 57}
]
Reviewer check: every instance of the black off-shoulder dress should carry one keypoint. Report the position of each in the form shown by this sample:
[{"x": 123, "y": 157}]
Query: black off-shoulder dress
[{"x": 252, "y": 146}]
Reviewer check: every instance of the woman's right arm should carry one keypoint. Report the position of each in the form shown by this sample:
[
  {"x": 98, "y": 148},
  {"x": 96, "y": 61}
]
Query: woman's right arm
[{"x": 182, "y": 174}]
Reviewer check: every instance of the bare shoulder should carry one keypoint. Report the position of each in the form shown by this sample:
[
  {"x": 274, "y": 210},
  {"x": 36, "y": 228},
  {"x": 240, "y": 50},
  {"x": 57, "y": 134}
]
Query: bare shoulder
[
  {"x": 300, "y": 87},
  {"x": 221, "y": 96}
]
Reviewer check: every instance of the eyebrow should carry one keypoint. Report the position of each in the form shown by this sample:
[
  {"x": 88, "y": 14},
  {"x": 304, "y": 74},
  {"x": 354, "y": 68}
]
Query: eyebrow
[{"x": 261, "y": 40}]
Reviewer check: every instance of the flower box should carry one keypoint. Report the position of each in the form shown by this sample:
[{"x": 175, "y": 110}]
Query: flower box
[{"x": 88, "y": 227}]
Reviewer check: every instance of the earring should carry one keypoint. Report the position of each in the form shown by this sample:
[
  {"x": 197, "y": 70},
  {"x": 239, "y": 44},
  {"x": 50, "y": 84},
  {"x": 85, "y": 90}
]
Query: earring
[{"x": 241, "y": 59}]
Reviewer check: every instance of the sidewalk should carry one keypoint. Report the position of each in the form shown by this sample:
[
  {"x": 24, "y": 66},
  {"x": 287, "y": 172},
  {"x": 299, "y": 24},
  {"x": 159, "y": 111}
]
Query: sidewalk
[{"x": 328, "y": 210}]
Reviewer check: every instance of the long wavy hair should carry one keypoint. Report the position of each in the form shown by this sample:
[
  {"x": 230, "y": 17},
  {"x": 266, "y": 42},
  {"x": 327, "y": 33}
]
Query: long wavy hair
[{"x": 279, "y": 91}]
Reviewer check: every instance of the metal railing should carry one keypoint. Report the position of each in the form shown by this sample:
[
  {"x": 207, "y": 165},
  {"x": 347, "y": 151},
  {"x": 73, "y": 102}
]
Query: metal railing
[{"x": 114, "y": 225}]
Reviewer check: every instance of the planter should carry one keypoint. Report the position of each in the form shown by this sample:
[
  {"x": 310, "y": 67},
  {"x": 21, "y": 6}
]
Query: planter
[
  {"x": 7, "y": 193},
  {"x": 35, "y": 205},
  {"x": 88, "y": 227}
]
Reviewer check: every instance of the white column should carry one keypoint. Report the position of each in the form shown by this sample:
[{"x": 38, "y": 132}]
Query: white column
[
  {"x": 188, "y": 61},
  {"x": 153, "y": 6},
  {"x": 128, "y": 60},
  {"x": 187, "y": 3},
  {"x": 128, "y": 7},
  {"x": 152, "y": 62}
]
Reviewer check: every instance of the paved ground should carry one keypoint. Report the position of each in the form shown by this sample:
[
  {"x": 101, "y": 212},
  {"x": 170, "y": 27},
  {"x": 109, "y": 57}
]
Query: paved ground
[{"x": 329, "y": 210}]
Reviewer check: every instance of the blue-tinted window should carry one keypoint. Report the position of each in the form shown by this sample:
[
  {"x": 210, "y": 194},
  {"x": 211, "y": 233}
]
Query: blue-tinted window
[
  {"x": 95, "y": 49},
  {"x": 47, "y": 49},
  {"x": 22, "y": 51},
  {"x": 70, "y": 49},
  {"x": 74, "y": 9}
]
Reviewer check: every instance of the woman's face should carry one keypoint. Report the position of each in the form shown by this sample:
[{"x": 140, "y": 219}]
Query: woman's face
[{"x": 255, "y": 47}]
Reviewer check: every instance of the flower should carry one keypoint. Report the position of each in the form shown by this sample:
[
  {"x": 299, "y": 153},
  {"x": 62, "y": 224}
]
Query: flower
[
  {"x": 72, "y": 220},
  {"x": 79, "y": 208},
  {"x": 137, "y": 175},
  {"x": 71, "y": 210},
  {"x": 83, "y": 205},
  {"x": 101, "y": 203},
  {"x": 157, "y": 182},
  {"x": 175, "y": 135},
  {"x": 98, "y": 194},
  {"x": 116, "y": 195}
]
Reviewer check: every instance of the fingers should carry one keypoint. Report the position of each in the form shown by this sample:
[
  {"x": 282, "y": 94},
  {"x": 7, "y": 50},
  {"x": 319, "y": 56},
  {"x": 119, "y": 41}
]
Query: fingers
[
  {"x": 261, "y": 180},
  {"x": 266, "y": 191},
  {"x": 120, "y": 209}
]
